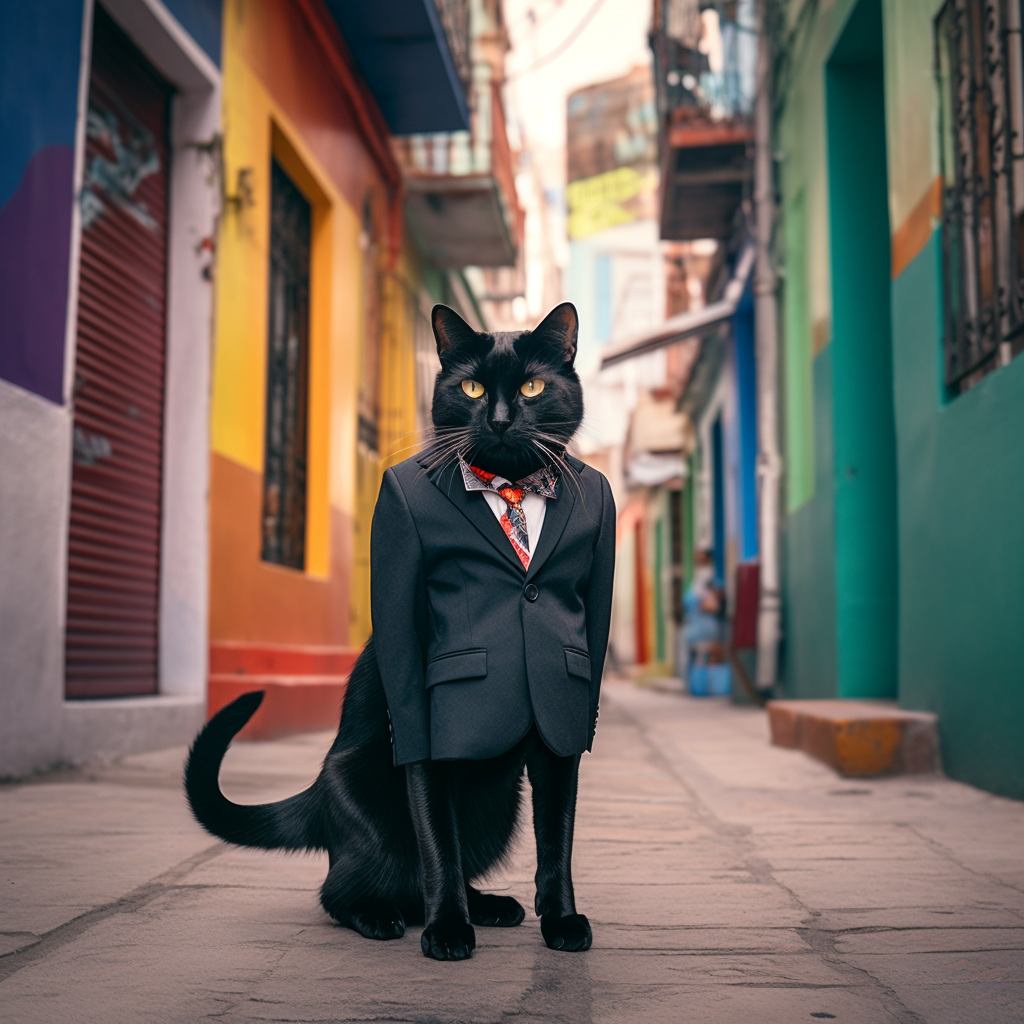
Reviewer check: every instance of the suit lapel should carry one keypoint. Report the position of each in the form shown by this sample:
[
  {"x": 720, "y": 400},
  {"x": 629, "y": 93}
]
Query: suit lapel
[
  {"x": 474, "y": 507},
  {"x": 556, "y": 515}
]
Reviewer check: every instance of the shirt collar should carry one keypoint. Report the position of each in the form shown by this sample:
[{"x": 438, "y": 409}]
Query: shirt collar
[{"x": 542, "y": 482}]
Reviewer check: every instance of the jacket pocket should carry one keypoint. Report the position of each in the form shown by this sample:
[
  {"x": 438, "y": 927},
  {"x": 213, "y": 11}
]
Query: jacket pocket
[
  {"x": 577, "y": 663},
  {"x": 460, "y": 665}
]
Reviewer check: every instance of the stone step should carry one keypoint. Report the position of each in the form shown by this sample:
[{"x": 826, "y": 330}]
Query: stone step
[
  {"x": 858, "y": 738},
  {"x": 303, "y": 685}
]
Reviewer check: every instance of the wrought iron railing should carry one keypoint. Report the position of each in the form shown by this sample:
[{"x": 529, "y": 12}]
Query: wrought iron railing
[
  {"x": 704, "y": 54},
  {"x": 454, "y": 15},
  {"x": 979, "y": 65}
]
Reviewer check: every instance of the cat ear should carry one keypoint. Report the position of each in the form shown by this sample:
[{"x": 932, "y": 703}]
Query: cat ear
[
  {"x": 562, "y": 327},
  {"x": 450, "y": 330}
]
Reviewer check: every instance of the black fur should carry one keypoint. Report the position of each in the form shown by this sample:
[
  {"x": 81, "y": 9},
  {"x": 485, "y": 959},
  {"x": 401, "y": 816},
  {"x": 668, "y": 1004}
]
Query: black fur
[
  {"x": 405, "y": 844},
  {"x": 504, "y": 431}
]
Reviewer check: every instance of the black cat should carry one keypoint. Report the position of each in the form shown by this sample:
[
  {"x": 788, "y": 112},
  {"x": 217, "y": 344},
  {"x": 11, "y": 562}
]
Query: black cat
[{"x": 406, "y": 841}]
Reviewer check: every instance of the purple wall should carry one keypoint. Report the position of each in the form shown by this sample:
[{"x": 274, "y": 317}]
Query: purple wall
[{"x": 35, "y": 242}]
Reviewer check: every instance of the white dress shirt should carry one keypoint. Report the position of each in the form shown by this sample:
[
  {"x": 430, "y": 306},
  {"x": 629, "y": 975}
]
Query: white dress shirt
[{"x": 534, "y": 508}]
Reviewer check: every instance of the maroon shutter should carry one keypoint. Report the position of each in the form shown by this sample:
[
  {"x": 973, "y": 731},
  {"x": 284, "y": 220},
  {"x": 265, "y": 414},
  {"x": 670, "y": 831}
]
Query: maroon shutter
[{"x": 114, "y": 540}]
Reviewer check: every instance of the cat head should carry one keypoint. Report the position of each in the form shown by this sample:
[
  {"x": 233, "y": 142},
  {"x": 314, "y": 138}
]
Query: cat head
[{"x": 508, "y": 401}]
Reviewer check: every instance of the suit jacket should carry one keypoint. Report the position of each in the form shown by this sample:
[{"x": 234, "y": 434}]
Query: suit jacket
[{"x": 472, "y": 647}]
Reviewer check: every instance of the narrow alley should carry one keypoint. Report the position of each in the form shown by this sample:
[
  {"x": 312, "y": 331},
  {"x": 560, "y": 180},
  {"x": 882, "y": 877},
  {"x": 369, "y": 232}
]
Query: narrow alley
[{"x": 726, "y": 880}]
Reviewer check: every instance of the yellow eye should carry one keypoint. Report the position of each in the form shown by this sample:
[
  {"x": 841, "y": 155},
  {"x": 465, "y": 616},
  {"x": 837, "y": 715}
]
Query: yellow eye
[
  {"x": 532, "y": 388},
  {"x": 473, "y": 388}
]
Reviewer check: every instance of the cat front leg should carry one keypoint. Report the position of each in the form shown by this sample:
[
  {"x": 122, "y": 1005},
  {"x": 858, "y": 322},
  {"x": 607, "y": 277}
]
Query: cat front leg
[
  {"x": 554, "y": 782},
  {"x": 448, "y": 935}
]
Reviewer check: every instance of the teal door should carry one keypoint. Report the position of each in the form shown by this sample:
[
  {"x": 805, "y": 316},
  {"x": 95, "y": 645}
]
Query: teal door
[{"x": 867, "y": 583}]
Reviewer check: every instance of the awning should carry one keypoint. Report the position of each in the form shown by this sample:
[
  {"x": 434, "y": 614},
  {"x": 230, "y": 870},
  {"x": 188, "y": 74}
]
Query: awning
[
  {"x": 657, "y": 426},
  {"x": 402, "y": 52},
  {"x": 695, "y": 324}
]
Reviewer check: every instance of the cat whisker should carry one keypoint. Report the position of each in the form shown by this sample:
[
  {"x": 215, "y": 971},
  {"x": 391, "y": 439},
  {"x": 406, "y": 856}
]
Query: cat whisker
[{"x": 440, "y": 455}]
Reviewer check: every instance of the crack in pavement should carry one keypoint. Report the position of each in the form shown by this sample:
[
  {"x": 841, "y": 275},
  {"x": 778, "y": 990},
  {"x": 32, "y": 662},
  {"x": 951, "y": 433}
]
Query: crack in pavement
[
  {"x": 55, "y": 938},
  {"x": 944, "y": 851}
]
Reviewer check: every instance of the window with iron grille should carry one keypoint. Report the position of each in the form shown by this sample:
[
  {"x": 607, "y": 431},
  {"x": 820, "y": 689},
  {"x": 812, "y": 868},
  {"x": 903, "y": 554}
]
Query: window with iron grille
[
  {"x": 978, "y": 60},
  {"x": 284, "y": 466}
]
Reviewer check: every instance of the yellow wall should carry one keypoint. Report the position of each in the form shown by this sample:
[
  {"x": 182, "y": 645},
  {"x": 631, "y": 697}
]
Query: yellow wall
[
  {"x": 282, "y": 99},
  {"x": 396, "y": 424}
]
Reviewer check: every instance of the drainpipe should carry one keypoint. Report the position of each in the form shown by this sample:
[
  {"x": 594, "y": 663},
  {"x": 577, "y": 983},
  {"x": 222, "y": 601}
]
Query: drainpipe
[{"x": 769, "y": 461}]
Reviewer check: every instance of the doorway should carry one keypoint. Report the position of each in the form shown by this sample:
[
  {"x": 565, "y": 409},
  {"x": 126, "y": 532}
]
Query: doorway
[
  {"x": 866, "y": 547},
  {"x": 111, "y": 646}
]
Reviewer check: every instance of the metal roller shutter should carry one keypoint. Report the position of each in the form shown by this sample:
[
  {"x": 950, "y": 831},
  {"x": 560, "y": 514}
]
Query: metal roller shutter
[{"x": 114, "y": 540}]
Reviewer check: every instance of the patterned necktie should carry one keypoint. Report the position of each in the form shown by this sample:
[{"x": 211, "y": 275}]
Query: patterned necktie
[{"x": 513, "y": 520}]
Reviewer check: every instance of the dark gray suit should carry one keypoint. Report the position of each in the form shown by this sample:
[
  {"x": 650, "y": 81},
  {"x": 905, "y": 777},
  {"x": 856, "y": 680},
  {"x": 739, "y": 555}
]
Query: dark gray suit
[{"x": 472, "y": 647}]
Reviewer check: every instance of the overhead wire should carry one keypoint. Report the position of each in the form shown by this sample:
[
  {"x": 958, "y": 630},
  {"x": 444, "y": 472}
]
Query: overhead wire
[{"x": 562, "y": 46}]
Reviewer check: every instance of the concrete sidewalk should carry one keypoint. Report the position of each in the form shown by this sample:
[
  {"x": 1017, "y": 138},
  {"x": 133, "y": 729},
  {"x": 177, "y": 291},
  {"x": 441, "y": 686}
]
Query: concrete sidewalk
[{"x": 726, "y": 881}]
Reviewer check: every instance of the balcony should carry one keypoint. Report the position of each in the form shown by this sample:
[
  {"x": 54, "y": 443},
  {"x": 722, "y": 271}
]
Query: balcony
[
  {"x": 413, "y": 55},
  {"x": 704, "y": 67},
  {"x": 460, "y": 188}
]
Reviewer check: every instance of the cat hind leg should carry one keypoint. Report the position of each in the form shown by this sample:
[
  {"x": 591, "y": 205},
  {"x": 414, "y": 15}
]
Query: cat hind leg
[
  {"x": 488, "y": 910},
  {"x": 351, "y": 902},
  {"x": 375, "y": 920}
]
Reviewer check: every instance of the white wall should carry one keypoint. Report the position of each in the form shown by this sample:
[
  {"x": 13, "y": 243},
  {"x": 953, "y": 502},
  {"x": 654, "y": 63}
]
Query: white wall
[{"x": 35, "y": 460}]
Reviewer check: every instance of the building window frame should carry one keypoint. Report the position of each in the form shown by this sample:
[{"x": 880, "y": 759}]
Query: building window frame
[
  {"x": 979, "y": 70},
  {"x": 286, "y": 435}
]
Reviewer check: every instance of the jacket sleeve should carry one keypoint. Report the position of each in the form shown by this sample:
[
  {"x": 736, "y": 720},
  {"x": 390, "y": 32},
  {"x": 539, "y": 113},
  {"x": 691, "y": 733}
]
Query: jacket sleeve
[
  {"x": 398, "y": 605},
  {"x": 599, "y": 600}
]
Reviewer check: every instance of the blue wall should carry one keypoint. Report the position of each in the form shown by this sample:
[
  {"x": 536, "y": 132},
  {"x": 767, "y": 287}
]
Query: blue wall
[
  {"x": 746, "y": 394},
  {"x": 40, "y": 45},
  {"x": 202, "y": 20}
]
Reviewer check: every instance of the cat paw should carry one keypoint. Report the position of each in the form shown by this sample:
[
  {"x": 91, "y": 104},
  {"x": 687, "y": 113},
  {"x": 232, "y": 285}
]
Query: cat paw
[
  {"x": 569, "y": 934},
  {"x": 490, "y": 911},
  {"x": 377, "y": 922},
  {"x": 448, "y": 941}
]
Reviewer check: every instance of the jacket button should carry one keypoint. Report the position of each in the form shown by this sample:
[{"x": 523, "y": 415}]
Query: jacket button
[{"x": 531, "y": 593}]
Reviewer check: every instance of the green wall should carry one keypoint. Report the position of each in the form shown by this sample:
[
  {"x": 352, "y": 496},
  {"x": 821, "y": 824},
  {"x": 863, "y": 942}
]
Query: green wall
[
  {"x": 961, "y": 531},
  {"x": 809, "y": 661},
  {"x": 799, "y": 408},
  {"x": 959, "y": 464}
]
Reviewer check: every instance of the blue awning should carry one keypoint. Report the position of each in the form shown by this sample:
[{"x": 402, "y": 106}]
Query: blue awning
[{"x": 400, "y": 49}]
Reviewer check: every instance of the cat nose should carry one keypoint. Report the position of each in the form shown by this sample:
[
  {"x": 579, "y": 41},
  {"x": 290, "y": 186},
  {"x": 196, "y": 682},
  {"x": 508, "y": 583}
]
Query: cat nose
[{"x": 500, "y": 417}]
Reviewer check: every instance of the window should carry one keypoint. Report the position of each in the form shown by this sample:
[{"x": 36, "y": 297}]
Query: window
[
  {"x": 373, "y": 324},
  {"x": 978, "y": 60},
  {"x": 284, "y": 472}
]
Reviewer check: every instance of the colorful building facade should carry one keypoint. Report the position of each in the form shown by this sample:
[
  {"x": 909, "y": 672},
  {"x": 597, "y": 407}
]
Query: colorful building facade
[
  {"x": 108, "y": 199},
  {"x": 320, "y": 308},
  {"x": 215, "y": 333},
  {"x": 328, "y": 262},
  {"x": 903, "y": 399}
]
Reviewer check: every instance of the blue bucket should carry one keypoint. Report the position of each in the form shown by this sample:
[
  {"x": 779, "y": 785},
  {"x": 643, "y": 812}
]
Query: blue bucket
[{"x": 710, "y": 681}]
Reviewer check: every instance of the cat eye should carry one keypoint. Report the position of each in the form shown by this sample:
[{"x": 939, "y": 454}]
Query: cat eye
[
  {"x": 532, "y": 388},
  {"x": 473, "y": 388}
]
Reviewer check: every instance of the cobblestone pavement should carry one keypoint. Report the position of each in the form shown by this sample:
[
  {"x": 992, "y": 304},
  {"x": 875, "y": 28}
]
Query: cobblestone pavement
[{"x": 726, "y": 881}]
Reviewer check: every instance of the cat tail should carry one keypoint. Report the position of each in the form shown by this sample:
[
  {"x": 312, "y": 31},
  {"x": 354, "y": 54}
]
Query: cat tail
[{"x": 289, "y": 824}]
